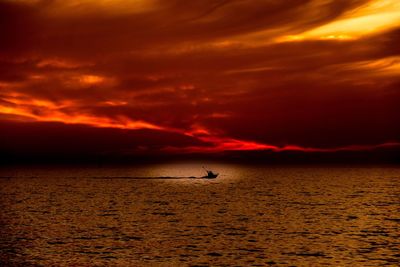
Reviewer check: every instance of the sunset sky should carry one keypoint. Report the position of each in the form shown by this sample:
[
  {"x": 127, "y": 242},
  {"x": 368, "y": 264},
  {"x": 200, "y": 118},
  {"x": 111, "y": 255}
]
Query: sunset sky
[{"x": 199, "y": 76}]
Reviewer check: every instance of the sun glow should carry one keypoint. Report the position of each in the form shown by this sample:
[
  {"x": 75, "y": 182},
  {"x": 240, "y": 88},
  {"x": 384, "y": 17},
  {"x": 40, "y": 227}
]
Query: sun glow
[{"x": 371, "y": 18}]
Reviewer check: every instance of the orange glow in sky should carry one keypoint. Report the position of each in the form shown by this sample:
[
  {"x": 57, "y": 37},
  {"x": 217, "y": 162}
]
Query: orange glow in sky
[{"x": 315, "y": 76}]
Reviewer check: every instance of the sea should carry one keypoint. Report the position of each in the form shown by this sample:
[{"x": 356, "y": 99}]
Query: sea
[{"x": 159, "y": 215}]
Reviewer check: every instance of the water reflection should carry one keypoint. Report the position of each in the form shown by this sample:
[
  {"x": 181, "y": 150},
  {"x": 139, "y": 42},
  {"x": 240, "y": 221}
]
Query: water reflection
[{"x": 248, "y": 216}]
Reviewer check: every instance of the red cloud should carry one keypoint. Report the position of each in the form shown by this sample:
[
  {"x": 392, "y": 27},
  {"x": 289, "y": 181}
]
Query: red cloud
[{"x": 233, "y": 76}]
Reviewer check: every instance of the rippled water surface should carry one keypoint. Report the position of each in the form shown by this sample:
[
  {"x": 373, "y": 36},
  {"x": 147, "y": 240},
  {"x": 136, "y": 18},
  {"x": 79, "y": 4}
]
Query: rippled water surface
[{"x": 249, "y": 216}]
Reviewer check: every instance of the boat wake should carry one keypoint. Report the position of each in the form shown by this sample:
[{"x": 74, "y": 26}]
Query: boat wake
[
  {"x": 151, "y": 178},
  {"x": 210, "y": 175}
]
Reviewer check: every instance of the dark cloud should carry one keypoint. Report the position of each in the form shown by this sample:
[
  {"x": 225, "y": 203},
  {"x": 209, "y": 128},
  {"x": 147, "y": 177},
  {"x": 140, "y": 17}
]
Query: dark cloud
[
  {"x": 37, "y": 28},
  {"x": 181, "y": 67},
  {"x": 37, "y": 139}
]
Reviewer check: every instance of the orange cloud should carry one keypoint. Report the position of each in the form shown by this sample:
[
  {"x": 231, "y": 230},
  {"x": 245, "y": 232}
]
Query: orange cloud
[
  {"x": 373, "y": 17},
  {"x": 313, "y": 76},
  {"x": 91, "y": 79},
  {"x": 51, "y": 112}
]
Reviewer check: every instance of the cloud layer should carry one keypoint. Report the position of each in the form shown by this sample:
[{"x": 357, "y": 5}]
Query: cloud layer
[{"x": 304, "y": 75}]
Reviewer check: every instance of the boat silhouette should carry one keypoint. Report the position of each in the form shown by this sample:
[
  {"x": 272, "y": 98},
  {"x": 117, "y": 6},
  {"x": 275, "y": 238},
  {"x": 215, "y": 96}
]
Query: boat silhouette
[{"x": 210, "y": 174}]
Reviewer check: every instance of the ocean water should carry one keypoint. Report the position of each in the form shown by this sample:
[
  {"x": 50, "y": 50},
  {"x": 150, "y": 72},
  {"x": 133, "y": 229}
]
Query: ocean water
[{"x": 248, "y": 216}]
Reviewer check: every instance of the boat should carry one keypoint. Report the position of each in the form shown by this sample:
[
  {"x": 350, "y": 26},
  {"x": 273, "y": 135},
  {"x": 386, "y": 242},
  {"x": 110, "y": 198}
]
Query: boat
[{"x": 210, "y": 174}]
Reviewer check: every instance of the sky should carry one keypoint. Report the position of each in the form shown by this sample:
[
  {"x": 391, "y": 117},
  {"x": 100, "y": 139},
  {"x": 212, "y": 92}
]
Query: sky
[{"x": 174, "y": 77}]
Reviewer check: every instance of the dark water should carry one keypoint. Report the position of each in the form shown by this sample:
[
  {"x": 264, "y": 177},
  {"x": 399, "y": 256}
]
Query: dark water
[{"x": 250, "y": 216}]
